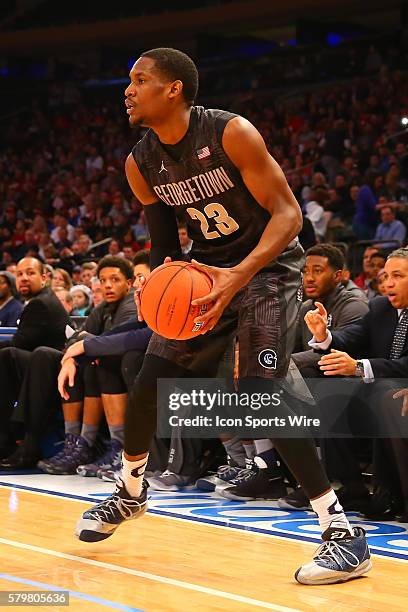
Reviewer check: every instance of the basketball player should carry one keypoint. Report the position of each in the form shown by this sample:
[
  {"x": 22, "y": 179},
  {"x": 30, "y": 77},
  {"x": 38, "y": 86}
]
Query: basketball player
[{"x": 211, "y": 170}]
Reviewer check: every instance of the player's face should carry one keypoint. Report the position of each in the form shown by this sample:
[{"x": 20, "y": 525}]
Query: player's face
[
  {"x": 147, "y": 95},
  {"x": 114, "y": 284},
  {"x": 396, "y": 281},
  {"x": 319, "y": 278}
]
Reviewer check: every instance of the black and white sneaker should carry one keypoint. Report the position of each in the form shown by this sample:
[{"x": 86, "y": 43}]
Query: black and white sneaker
[
  {"x": 255, "y": 483},
  {"x": 297, "y": 500},
  {"x": 100, "y": 521}
]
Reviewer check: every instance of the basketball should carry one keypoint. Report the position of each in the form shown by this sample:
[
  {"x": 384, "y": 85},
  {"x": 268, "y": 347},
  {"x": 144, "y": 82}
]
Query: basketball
[{"x": 166, "y": 300}]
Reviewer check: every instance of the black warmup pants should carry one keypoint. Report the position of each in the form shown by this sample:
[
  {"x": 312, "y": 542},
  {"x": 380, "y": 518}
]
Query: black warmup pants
[{"x": 13, "y": 365}]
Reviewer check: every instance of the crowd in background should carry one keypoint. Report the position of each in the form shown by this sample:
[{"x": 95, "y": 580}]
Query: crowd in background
[{"x": 64, "y": 199}]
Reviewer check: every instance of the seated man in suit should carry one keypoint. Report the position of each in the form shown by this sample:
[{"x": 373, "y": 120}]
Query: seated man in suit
[
  {"x": 39, "y": 398},
  {"x": 42, "y": 323},
  {"x": 374, "y": 348}
]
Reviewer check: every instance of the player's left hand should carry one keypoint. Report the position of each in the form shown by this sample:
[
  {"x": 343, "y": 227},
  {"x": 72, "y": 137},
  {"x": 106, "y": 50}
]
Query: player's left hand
[
  {"x": 74, "y": 350},
  {"x": 338, "y": 363},
  {"x": 226, "y": 283},
  {"x": 402, "y": 393}
]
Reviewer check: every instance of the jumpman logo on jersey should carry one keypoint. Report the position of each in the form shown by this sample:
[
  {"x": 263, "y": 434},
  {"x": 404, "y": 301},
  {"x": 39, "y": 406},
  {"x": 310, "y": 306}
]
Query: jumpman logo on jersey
[{"x": 163, "y": 168}]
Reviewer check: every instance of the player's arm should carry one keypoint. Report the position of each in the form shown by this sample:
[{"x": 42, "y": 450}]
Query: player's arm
[
  {"x": 266, "y": 181},
  {"x": 160, "y": 218}
]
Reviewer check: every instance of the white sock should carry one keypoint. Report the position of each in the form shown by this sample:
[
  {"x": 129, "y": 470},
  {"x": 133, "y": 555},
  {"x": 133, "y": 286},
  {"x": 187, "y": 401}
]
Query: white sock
[
  {"x": 263, "y": 445},
  {"x": 327, "y": 502},
  {"x": 132, "y": 474}
]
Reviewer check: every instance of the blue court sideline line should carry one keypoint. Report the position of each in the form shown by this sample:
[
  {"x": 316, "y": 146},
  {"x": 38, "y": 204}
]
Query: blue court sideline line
[
  {"x": 77, "y": 594},
  {"x": 196, "y": 519}
]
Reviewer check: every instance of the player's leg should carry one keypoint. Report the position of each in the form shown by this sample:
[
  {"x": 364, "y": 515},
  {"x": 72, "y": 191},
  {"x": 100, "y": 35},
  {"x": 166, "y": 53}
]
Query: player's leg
[
  {"x": 164, "y": 359},
  {"x": 129, "y": 501},
  {"x": 271, "y": 305}
]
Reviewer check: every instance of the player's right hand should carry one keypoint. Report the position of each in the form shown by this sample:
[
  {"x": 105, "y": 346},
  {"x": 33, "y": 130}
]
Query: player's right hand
[
  {"x": 316, "y": 320},
  {"x": 138, "y": 285},
  {"x": 67, "y": 373}
]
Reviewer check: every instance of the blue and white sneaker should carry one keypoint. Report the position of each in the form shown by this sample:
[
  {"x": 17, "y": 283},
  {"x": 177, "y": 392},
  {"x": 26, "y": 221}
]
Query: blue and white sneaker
[
  {"x": 223, "y": 476},
  {"x": 341, "y": 557},
  {"x": 100, "y": 521}
]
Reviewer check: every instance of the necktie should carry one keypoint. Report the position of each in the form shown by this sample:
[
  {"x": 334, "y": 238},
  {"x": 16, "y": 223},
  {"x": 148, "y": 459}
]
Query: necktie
[{"x": 399, "y": 335}]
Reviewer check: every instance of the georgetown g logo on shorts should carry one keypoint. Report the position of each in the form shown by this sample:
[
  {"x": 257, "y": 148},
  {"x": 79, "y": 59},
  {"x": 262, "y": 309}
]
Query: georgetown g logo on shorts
[{"x": 268, "y": 359}]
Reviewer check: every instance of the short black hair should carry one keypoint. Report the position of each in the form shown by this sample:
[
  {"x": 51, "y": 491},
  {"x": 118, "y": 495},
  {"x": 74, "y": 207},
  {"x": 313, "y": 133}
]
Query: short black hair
[
  {"x": 334, "y": 255},
  {"x": 176, "y": 65},
  {"x": 380, "y": 254},
  {"x": 116, "y": 262},
  {"x": 142, "y": 257}
]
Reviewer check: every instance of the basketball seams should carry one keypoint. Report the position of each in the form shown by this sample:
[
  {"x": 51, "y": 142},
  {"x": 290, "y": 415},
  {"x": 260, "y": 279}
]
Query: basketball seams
[
  {"x": 164, "y": 302},
  {"x": 187, "y": 268},
  {"x": 164, "y": 293}
]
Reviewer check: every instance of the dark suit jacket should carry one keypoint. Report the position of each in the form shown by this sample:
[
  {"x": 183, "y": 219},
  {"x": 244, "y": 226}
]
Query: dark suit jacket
[
  {"x": 42, "y": 323},
  {"x": 372, "y": 337}
]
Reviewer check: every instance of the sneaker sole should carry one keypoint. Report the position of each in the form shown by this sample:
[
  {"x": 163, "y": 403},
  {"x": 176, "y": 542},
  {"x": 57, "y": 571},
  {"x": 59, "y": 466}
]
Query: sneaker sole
[
  {"x": 286, "y": 506},
  {"x": 88, "y": 535},
  {"x": 228, "y": 495},
  {"x": 365, "y": 567},
  {"x": 85, "y": 473}
]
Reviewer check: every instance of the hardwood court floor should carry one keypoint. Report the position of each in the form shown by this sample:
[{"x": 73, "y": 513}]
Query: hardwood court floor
[{"x": 166, "y": 564}]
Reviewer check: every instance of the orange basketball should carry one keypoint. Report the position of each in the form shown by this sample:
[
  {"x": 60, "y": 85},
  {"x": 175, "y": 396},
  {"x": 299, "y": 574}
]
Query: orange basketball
[{"x": 166, "y": 299}]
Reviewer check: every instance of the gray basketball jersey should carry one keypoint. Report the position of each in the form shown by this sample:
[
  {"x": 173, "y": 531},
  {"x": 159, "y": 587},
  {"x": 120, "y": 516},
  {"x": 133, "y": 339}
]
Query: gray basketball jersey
[{"x": 205, "y": 190}]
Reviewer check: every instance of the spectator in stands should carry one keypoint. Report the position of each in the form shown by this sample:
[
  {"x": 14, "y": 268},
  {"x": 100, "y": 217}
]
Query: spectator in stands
[
  {"x": 61, "y": 279},
  {"x": 390, "y": 229},
  {"x": 363, "y": 278},
  {"x": 65, "y": 298},
  {"x": 381, "y": 284},
  {"x": 350, "y": 285},
  {"x": 82, "y": 300},
  {"x": 314, "y": 211},
  {"x": 10, "y": 306},
  {"x": 185, "y": 242},
  {"x": 365, "y": 217},
  {"x": 88, "y": 272},
  {"x": 97, "y": 293},
  {"x": 42, "y": 323},
  {"x": 377, "y": 262}
]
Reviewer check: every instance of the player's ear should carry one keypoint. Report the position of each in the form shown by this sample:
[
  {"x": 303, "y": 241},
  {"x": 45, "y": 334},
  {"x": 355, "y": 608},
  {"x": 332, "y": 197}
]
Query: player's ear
[{"x": 176, "y": 88}]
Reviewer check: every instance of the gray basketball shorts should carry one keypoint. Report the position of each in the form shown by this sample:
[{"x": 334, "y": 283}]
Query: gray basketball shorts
[{"x": 262, "y": 316}]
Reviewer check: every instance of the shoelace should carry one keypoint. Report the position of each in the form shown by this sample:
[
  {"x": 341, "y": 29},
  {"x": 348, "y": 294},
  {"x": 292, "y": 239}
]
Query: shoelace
[
  {"x": 333, "y": 551},
  {"x": 112, "y": 504},
  {"x": 108, "y": 506},
  {"x": 227, "y": 470},
  {"x": 243, "y": 476}
]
